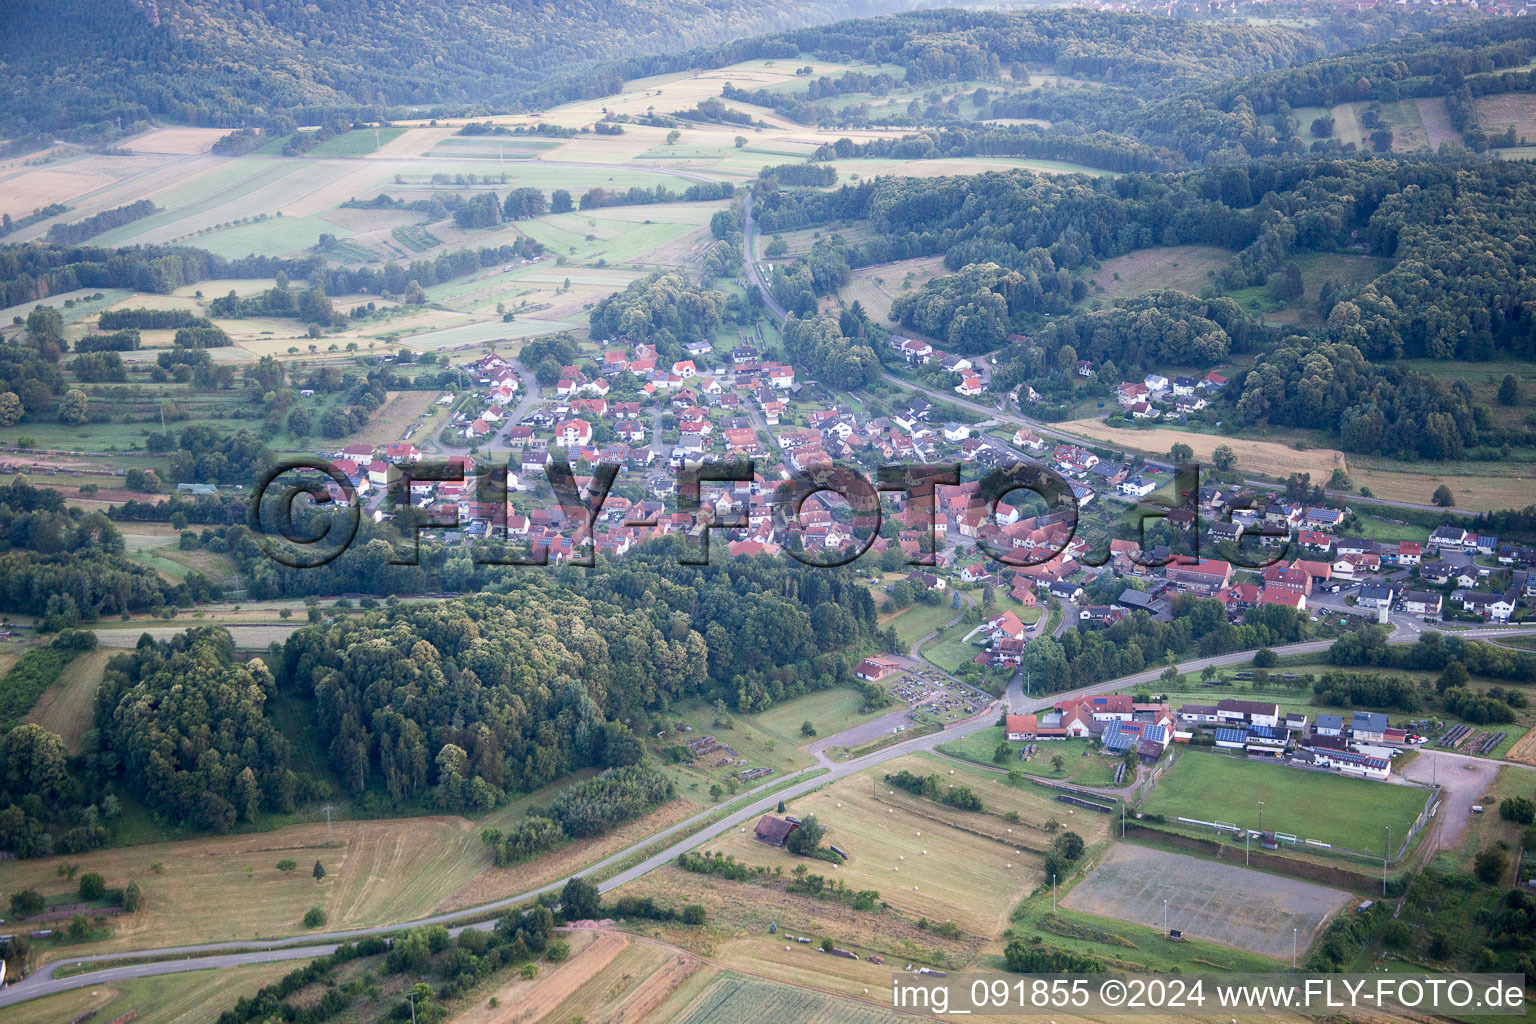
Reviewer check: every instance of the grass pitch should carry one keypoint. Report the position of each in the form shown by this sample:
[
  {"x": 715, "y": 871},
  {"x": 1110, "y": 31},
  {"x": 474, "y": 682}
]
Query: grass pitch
[{"x": 1334, "y": 809}]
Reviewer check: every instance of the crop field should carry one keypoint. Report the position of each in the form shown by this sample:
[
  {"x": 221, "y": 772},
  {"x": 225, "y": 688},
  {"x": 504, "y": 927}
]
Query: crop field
[
  {"x": 878, "y": 286},
  {"x": 1437, "y": 122},
  {"x": 357, "y": 143},
  {"x": 189, "y": 898},
  {"x": 863, "y": 167},
  {"x": 1222, "y": 903},
  {"x": 1189, "y": 268},
  {"x": 921, "y": 866},
  {"x": 176, "y": 141},
  {"x": 1503, "y": 110},
  {"x": 609, "y": 977},
  {"x": 1480, "y": 487},
  {"x": 738, "y": 999},
  {"x": 399, "y": 411},
  {"x": 191, "y": 997},
  {"x": 1266, "y": 457},
  {"x": 246, "y": 637},
  {"x": 376, "y": 871},
  {"x": 1346, "y": 124},
  {"x": 275, "y": 236},
  {"x": 588, "y": 236},
  {"x": 1334, "y": 809},
  {"x": 67, "y": 707},
  {"x": 1408, "y": 132}
]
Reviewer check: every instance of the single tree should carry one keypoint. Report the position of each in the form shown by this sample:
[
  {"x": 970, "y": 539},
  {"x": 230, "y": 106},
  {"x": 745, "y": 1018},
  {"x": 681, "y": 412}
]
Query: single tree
[
  {"x": 1443, "y": 497},
  {"x": 1224, "y": 458},
  {"x": 1509, "y": 390},
  {"x": 319, "y": 871}
]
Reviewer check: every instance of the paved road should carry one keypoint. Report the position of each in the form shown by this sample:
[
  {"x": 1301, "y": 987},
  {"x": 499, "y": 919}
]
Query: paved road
[
  {"x": 42, "y": 982},
  {"x": 749, "y": 250}
]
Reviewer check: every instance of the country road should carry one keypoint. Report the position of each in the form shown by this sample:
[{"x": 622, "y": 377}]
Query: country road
[{"x": 43, "y": 981}]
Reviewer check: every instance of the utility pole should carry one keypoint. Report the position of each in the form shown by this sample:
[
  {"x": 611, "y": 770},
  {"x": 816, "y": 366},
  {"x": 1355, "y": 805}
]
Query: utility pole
[
  {"x": 1122, "y": 819},
  {"x": 1386, "y": 851},
  {"x": 328, "y": 823},
  {"x": 1293, "y": 949},
  {"x": 1053, "y": 894},
  {"x": 1245, "y": 847},
  {"x": 1165, "y": 917},
  {"x": 1261, "y": 815}
]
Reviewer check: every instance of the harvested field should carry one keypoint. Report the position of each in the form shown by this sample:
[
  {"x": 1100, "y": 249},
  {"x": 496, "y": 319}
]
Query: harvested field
[
  {"x": 380, "y": 871},
  {"x": 523, "y": 1002},
  {"x": 176, "y": 141},
  {"x": 878, "y": 286},
  {"x": 493, "y": 883},
  {"x": 612, "y": 977},
  {"x": 37, "y": 188},
  {"x": 192, "y": 997},
  {"x": 250, "y": 638},
  {"x": 1525, "y": 751},
  {"x": 67, "y": 707},
  {"x": 1265, "y": 457},
  {"x": 1219, "y": 902},
  {"x": 921, "y": 865},
  {"x": 1186, "y": 267},
  {"x": 399, "y": 411}
]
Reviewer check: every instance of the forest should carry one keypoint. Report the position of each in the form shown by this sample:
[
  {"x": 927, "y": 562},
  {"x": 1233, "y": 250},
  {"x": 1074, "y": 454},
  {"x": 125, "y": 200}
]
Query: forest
[
  {"x": 85, "y": 65},
  {"x": 1459, "y": 284},
  {"x": 450, "y": 705}
]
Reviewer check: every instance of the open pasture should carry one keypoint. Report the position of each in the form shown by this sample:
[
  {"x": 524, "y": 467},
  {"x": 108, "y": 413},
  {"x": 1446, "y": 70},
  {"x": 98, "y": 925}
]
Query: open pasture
[
  {"x": 1330, "y": 808},
  {"x": 68, "y": 706},
  {"x": 1222, "y": 903},
  {"x": 876, "y": 287},
  {"x": 1188, "y": 268}
]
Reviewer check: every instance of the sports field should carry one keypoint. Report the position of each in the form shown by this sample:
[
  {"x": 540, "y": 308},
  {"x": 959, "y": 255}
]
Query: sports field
[
  {"x": 1220, "y": 902},
  {"x": 1334, "y": 809}
]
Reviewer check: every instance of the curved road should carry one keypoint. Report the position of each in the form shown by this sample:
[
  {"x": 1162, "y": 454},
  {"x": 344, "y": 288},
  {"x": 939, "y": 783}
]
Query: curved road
[{"x": 231, "y": 954}]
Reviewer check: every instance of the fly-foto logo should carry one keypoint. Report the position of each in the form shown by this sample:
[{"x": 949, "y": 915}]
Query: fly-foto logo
[{"x": 303, "y": 535}]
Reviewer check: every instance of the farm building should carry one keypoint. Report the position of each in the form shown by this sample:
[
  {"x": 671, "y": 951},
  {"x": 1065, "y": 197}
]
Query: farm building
[{"x": 774, "y": 831}]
